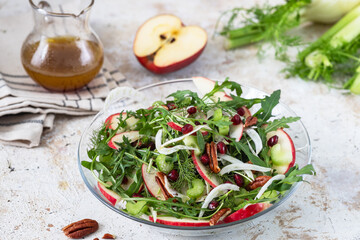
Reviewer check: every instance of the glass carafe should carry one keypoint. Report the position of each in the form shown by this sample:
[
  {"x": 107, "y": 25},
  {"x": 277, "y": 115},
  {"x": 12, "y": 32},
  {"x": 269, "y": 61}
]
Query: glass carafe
[{"x": 62, "y": 53}]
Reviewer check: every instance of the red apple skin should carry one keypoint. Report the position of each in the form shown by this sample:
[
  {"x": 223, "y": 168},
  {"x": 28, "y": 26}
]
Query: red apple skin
[
  {"x": 178, "y": 127},
  {"x": 110, "y": 119},
  {"x": 180, "y": 222},
  {"x": 202, "y": 170},
  {"x": 148, "y": 63},
  {"x": 247, "y": 112},
  {"x": 109, "y": 194},
  {"x": 292, "y": 163},
  {"x": 175, "y": 126},
  {"x": 112, "y": 144},
  {"x": 247, "y": 212},
  {"x": 150, "y": 183}
]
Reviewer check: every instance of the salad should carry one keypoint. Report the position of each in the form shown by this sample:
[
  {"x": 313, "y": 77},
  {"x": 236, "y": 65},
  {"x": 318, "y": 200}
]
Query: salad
[{"x": 196, "y": 160}]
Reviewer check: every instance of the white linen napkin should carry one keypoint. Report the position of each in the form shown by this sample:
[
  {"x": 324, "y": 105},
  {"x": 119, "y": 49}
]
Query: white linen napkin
[{"x": 26, "y": 108}]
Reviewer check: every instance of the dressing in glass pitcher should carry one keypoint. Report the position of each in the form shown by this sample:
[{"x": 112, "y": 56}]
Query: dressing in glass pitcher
[{"x": 62, "y": 53}]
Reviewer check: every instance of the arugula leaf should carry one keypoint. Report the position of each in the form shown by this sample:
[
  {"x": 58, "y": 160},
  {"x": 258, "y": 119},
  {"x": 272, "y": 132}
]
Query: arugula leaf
[
  {"x": 268, "y": 104},
  {"x": 226, "y": 84},
  {"x": 280, "y": 123},
  {"x": 253, "y": 158},
  {"x": 200, "y": 140}
]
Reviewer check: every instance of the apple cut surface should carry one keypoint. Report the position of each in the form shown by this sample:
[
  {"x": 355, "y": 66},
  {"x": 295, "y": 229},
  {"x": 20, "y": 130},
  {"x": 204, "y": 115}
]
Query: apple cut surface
[
  {"x": 150, "y": 182},
  {"x": 119, "y": 138},
  {"x": 189, "y": 41},
  {"x": 109, "y": 194},
  {"x": 113, "y": 121},
  {"x": 148, "y": 38},
  {"x": 205, "y": 172},
  {"x": 247, "y": 212},
  {"x": 163, "y": 44},
  {"x": 205, "y": 85},
  {"x": 236, "y": 131},
  {"x": 283, "y": 153},
  {"x": 184, "y": 222}
]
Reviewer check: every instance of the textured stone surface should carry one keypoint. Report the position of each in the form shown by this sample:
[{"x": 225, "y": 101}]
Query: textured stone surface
[{"x": 42, "y": 190}]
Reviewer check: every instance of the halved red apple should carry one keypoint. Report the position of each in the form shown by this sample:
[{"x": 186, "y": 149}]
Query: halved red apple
[
  {"x": 205, "y": 172},
  {"x": 283, "y": 153},
  {"x": 236, "y": 131},
  {"x": 110, "y": 195},
  {"x": 205, "y": 85},
  {"x": 112, "y": 121},
  {"x": 150, "y": 182},
  {"x": 163, "y": 44},
  {"x": 184, "y": 222},
  {"x": 132, "y": 136},
  {"x": 247, "y": 212}
]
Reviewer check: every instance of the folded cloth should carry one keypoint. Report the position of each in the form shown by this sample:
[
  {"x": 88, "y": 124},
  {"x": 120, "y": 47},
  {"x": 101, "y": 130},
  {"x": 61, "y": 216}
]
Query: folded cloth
[{"x": 26, "y": 108}]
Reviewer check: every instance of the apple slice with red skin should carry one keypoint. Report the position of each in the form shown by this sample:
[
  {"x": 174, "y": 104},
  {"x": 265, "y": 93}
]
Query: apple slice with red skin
[
  {"x": 150, "y": 182},
  {"x": 132, "y": 136},
  {"x": 205, "y": 85},
  {"x": 163, "y": 44},
  {"x": 247, "y": 212},
  {"x": 183, "y": 222},
  {"x": 247, "y": 112},
  {"x": 178, "y": 127},
  {"x": 110, "y": 195},
  {"x": 112, "y": 121},
  {"x": 205, "y": 172},
  {"x": 236, "y": 131},
  {"x": 175, "y": 126},
  {"x": 283, "y": 153}
]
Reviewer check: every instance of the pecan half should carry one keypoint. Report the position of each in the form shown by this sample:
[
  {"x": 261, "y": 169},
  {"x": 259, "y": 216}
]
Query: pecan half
[
  {"x": 208, "y": 152},
  {"x": 160, "y": 180},
  {"x": 81, "y": 228},
  {"x": 259, "y": 182},
  {"x": 108, "y": 236},
  {"x": 212, "y": 153},
  {"x": 214, "y": 159},
  {"x": 250, "y": 121},
  {"x": 219, "y": 216}
]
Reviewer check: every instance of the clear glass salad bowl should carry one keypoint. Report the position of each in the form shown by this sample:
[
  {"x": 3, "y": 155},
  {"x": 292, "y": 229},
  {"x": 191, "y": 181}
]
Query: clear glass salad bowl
[{"x": 144, "y": 97}]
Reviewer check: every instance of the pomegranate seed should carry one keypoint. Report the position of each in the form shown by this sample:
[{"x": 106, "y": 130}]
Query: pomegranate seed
[
  {"x": 125, "y": 180},
  {"x": 137, "y": 195},
  {"x": 236, "y": 119},
  {"x": 221, "y": 147},
  {"x": 273, "y": 140},
  {"x": 239, "y": 180},
  {"x": 241, "y": 111},
  {"x": 152, "y": 146},
  {"x": 173, "y": 175},
  {"x": 205, "y": 159},
  {"x": 191, "y": 110},
  {"x": 213, "y": 205},
  {"x": 171, "y": 106},
  {"x": 197, "y": 123},
  {"x": 187, "y": 128}
]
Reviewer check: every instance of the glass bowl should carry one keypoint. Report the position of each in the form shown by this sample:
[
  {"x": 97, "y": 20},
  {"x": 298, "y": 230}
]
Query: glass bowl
[{"x": 159, "y": 91}]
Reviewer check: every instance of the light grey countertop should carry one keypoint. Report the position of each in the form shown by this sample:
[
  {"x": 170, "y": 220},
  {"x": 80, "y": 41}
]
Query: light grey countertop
[{"x": 42, "y": 190}]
